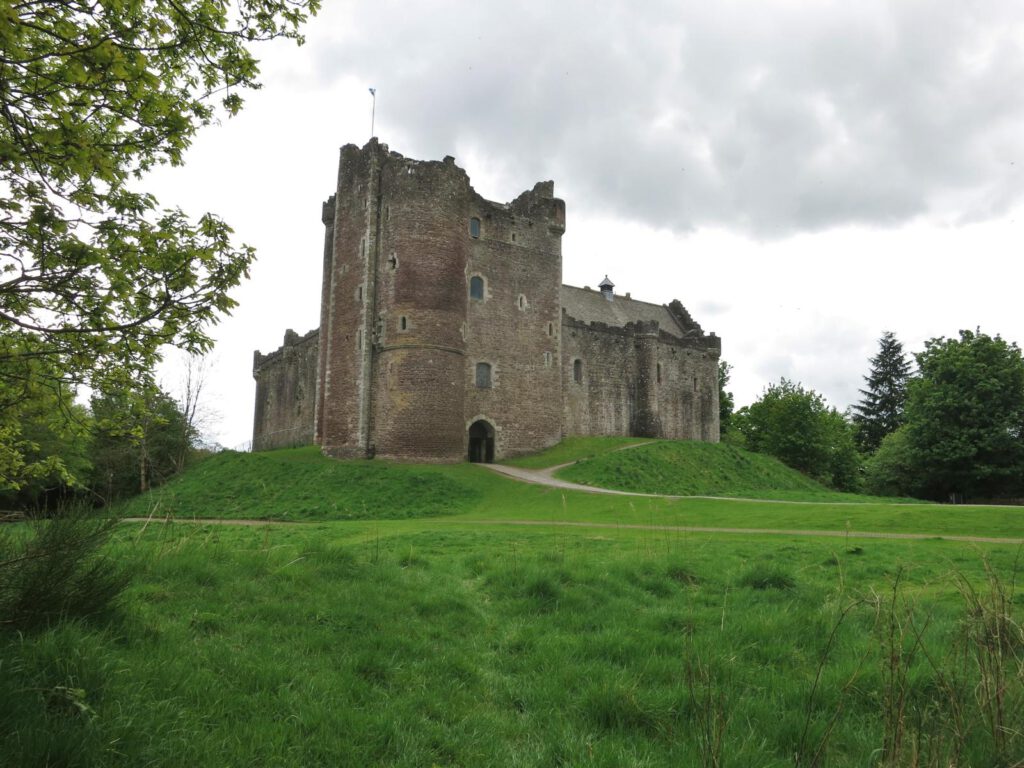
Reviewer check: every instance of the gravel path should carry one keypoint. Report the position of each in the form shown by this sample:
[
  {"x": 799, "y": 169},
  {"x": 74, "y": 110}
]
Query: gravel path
[{"x": 546, "y": 477}]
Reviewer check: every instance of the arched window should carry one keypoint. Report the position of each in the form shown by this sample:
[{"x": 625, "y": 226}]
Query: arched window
[
  {"x": 474, "y": 227},
  {"x": 476, "y": 287},
  {"x": 483, "y": 375},
  {"x": 403, "y": 323},
  {"x": 577, "y": 371}
]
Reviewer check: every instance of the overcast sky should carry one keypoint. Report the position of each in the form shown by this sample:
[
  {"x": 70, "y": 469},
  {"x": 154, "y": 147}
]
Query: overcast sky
[{"x": 802, "y": 176}]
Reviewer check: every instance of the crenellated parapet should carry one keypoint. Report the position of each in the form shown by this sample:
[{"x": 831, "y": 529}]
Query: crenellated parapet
[{"x": 289, "y": 347}]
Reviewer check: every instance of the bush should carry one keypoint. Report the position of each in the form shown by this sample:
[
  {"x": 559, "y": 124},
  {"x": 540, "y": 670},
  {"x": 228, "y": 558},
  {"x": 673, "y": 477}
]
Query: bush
[
  {"x": 52, "y": 569},
  {"x": 890, "y": 470}
]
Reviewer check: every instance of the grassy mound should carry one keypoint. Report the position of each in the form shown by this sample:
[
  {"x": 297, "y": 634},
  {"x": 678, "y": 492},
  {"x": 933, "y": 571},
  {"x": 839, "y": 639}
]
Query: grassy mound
[
  {"x": 690, "y": 468},
  {"x": 575, "y": 449},
  {"x": 301, "y": 484}
]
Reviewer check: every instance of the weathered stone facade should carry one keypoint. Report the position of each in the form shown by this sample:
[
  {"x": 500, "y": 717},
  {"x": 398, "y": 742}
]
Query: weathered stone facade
[
  {"x": 285, "y": 393},
  {"x": 446, "y": 333}
]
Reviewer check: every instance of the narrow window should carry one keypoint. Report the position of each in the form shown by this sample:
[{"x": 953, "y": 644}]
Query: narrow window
[
  {"x": 483, "y": 375},
  {"x": 403, "y": 323},
  {"x": 474, "y": 227},
  {"x": 659, "y": 373},
  {"x": 551, "y": 329},
  {"x": 513, "y": 237},
  {"x": 476, "y": 287},
  {"x": 387, "y": 213},
  {"x": 577, "y": 371},
  {"x": 547, "y": 359},
  {"x": 359, "y": 293},
  {"x": 393, "y": 261},
  {"x": 694, "y": 383},
  {"x": 522, "y": 301}
]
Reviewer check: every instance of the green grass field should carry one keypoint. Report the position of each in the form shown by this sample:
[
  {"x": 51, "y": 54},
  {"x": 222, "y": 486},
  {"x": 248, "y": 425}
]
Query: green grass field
[
  {"x": 690, "y": 468},
  {"x": 575, "y": 449},
  {"x": 418, "y": 636}
]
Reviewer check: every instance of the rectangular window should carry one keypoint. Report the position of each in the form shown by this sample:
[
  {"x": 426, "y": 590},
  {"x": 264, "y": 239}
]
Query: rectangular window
[
  {"x": 483, "y": 375},
  {"x": 476, "y": 287}
]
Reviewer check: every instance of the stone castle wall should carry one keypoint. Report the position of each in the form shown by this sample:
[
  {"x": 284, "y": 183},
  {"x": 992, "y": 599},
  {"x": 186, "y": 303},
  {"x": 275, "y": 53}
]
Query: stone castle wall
[
  {"x": 639, "y": 380},
  {"x": 515, "y": 326},
  {"x": 286, "y": 393},
  {"x": 395, "y": 370},
  {"x": 418, "y": 386}
]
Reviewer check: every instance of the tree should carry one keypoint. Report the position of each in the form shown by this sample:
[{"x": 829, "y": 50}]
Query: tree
[
  {"x": 891, "y": 469},
  {"x": 726, "y": 403},
  {"x": 140, "y": 438},
  {"x": 44, "y": 450},
  {"x": 93, "y": 93},
  {"x": 965, "y": 417},
  {"x": 880, "y": 411},
  {"x": 797, "y": 427}
]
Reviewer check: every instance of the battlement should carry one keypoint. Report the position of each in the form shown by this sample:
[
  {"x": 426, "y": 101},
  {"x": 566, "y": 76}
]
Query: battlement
[{"x": 291, "y": 340}]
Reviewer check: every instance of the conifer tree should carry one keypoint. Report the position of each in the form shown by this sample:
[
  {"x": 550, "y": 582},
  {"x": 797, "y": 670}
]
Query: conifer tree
[{"x": 880, "y": 411}]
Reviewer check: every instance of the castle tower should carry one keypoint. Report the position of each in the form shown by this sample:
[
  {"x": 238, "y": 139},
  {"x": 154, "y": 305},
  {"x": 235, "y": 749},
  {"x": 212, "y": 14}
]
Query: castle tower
[
  {"x": 648, "y": 377},
  {"x": 440, "y": 317},
  {"x": 392, "y": 350}
]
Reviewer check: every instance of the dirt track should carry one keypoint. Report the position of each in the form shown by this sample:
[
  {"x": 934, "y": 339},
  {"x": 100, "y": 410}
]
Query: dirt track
[{"x": 546, "y": 477}]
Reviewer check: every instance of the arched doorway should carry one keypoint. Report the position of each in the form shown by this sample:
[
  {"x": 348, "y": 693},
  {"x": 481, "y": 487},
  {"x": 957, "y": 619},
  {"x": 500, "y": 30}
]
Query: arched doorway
[{"x": 481, "y": 442}]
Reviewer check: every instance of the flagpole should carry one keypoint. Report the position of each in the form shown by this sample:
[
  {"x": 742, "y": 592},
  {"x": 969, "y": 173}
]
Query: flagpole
[{"x": 373, "y": 109}]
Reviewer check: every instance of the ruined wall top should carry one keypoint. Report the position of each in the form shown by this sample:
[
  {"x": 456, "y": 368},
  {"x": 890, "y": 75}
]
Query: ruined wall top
[{"x": 291, "y": 340}]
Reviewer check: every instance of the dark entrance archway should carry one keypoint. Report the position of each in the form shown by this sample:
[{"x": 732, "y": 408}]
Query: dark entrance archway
[{"x": 481, "y": 442}]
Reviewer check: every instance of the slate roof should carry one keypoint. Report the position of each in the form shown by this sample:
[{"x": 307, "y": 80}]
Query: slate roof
[{"x": 591, "y": 306}]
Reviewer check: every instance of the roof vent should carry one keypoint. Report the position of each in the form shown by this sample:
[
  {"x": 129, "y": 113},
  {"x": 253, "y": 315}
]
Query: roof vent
[{"x": 607, "y": 288}]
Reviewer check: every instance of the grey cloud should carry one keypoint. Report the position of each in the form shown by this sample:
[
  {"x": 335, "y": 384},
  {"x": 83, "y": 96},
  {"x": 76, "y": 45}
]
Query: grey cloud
[{"x": 768, "y": 118}]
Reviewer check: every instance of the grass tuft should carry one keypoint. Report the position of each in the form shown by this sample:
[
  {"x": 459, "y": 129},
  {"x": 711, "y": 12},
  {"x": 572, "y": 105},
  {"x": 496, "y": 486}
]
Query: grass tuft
[{"x": 764, "y": 577}]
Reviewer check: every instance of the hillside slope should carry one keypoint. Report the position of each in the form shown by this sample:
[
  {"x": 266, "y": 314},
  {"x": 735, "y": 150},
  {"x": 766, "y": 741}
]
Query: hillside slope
[
  {"x": 690, "y": 468},
  {"x": 302, "y": 484}
]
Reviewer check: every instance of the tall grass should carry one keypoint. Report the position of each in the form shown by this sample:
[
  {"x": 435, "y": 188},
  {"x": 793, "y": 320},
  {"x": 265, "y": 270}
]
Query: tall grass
[
  {"x": 54, "y": 568},
  {"x": 407, "y": 644}
]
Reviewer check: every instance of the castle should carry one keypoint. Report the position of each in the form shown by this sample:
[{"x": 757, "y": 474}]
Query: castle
[{"x": 446, "y": 333}]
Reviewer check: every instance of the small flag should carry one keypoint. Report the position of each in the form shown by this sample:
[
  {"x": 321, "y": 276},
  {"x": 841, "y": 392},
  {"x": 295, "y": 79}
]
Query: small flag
[{"x": 373, "y": 91}]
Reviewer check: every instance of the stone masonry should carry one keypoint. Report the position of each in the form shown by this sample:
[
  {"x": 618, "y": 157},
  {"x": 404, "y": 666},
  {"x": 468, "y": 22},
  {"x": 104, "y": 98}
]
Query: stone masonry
[{"x": 446, "y": 333}]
